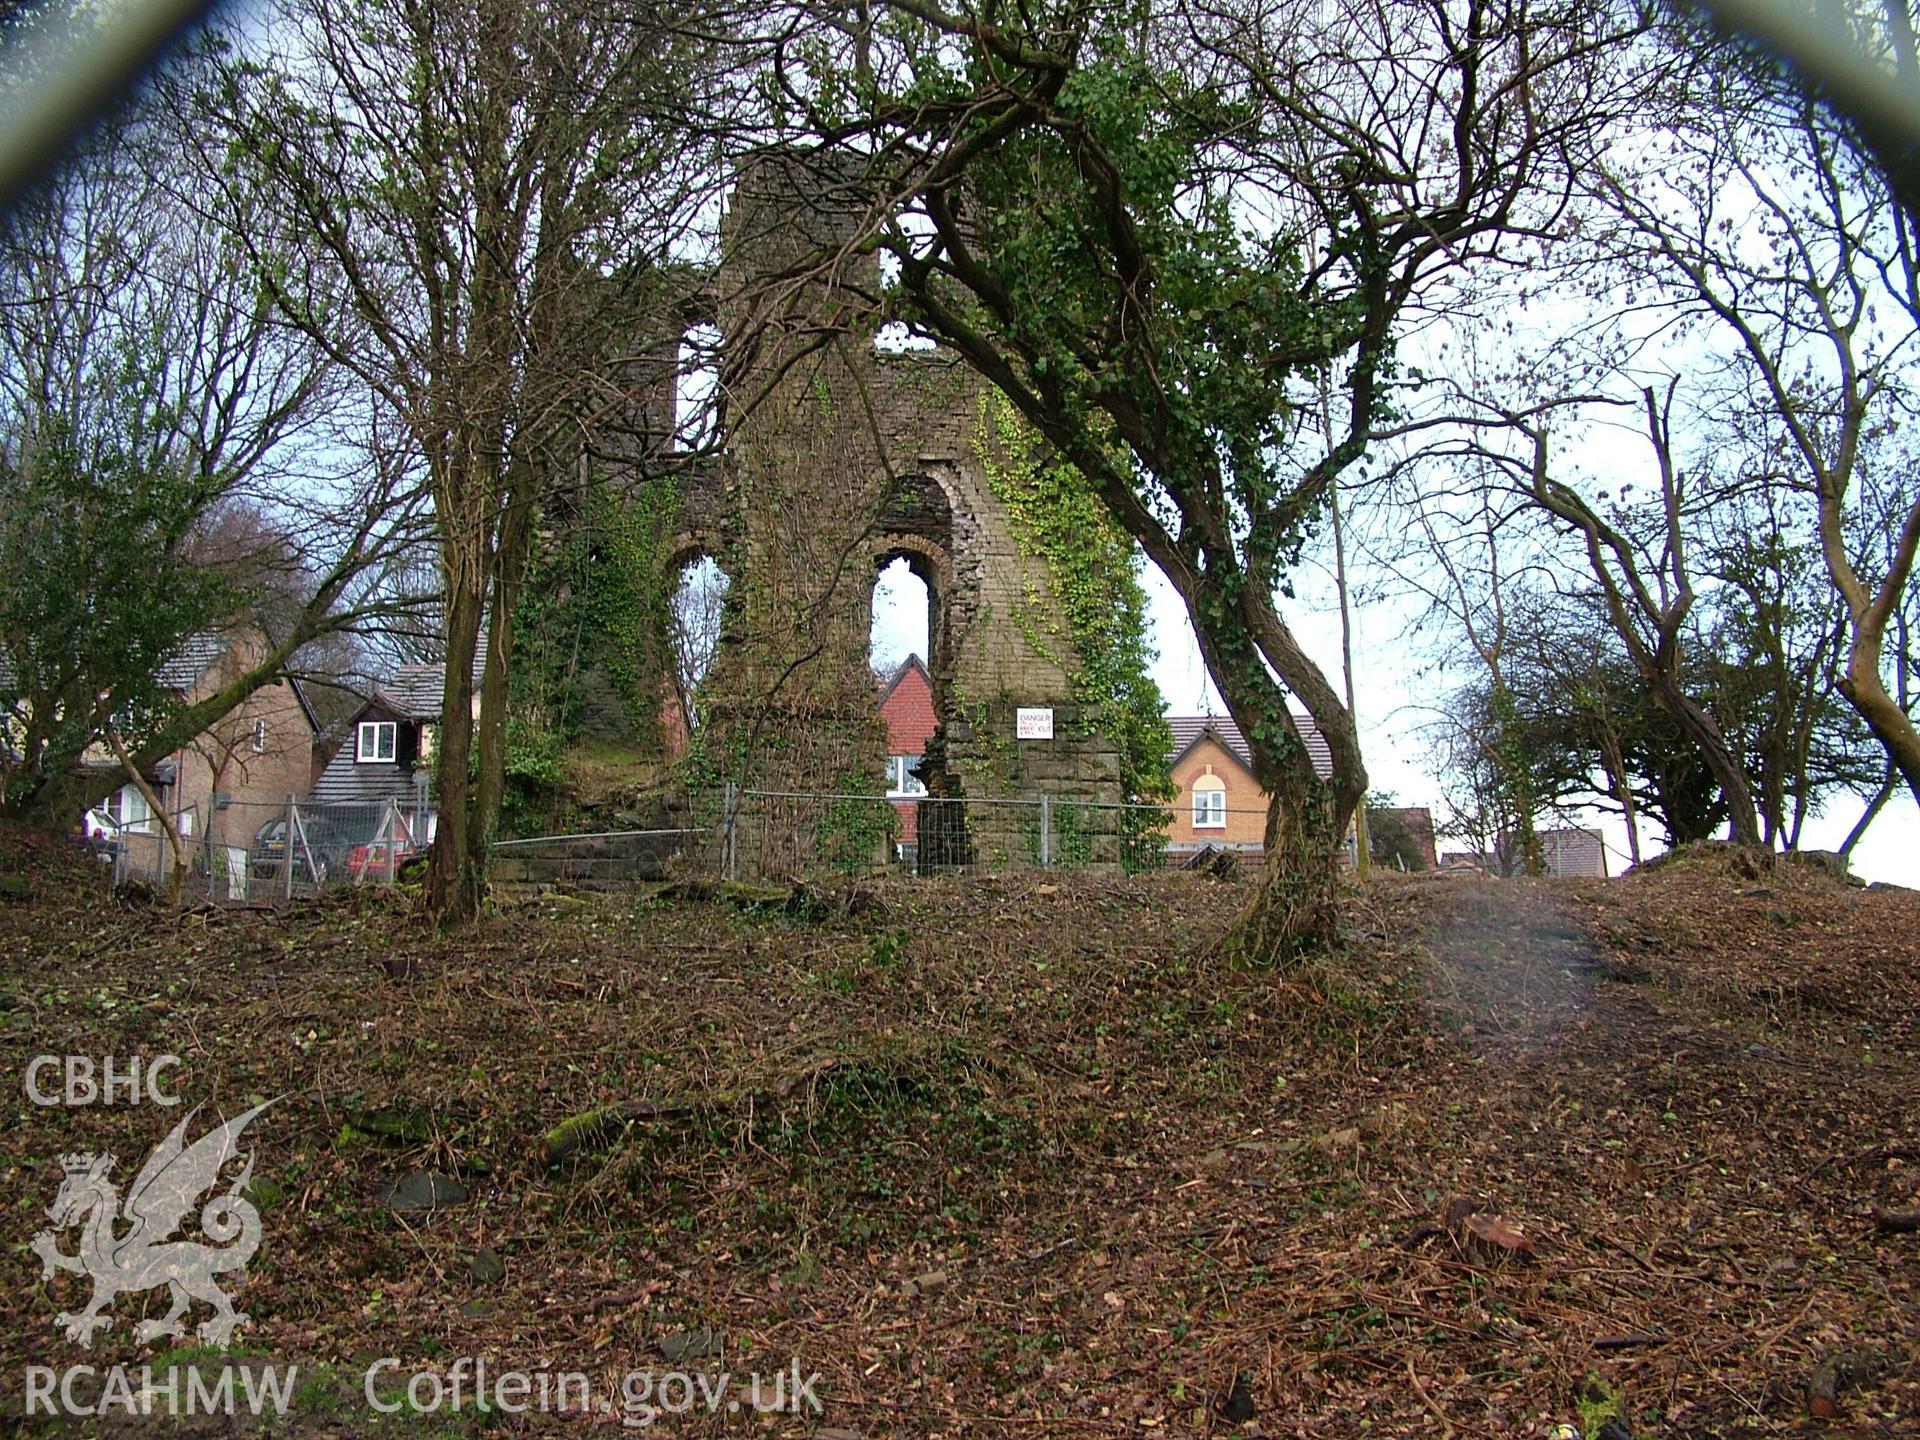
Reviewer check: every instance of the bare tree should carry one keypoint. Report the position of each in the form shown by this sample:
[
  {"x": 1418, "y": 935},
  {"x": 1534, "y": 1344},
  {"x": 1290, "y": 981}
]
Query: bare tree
[
  {"x": 1760, "y": 211},
  {"x": 496, "y": 191},
  {"x": 1461, "y": 549},
  {"x": 147, "y": 390},
  {"x": 1647, "y": 584},
  {"x": 699, "y": 611}
]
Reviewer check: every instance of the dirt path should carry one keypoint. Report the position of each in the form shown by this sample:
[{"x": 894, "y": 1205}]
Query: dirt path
[{"x": 1512, "y": 967}]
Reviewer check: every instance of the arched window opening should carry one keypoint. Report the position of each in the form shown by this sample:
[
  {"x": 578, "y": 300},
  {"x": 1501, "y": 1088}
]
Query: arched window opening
[
  {"x": 699, "y": 610},
  {"x": 697, "y": 388},
  {"x": 899, "y": 648},
  {"x": 900, "y": 624}
]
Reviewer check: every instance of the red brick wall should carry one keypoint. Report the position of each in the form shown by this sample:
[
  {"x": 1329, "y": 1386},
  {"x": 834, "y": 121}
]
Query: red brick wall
[
  {"x": 1246, "y": 803},
  {"x": 908, "y": 711},
  {"x": 909, "y": 714}
]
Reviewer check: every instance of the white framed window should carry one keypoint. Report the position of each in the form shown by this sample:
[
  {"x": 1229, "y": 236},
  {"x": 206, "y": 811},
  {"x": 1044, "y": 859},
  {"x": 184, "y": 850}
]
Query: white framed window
[
  {"x": 1209, "y": 808},
  {"x": 133, "y": 812},
  {"x": 375, "y": 744},
  {"x": 903, "y": 777},
  {"x": 259, "y": 737}
]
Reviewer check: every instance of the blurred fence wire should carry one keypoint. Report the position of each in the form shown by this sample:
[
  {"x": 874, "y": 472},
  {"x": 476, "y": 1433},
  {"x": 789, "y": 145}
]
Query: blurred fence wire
[
  {"x": 66, "y": 65},
  {"x": 254, "y": 854}
]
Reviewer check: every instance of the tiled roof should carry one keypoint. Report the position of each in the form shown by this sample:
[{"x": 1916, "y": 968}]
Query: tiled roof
[
  {"x": 416, "y": 691},
  {"x": 1187, "y": 729},
  {"x": 182, "y": 669},
  {"x": 347, "y": 781},
  {"x": 179, "y": 671},
  {"x": 906, "y": 704}
]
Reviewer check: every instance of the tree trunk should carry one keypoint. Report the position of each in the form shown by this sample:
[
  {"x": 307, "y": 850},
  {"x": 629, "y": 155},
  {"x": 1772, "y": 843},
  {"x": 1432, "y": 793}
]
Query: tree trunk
[
  {"x": 510, "y": 564},
  {"x": 1295, "y": 909},
  {"x": 1704, "y": 731},
  {"x": 454, "y": 884},
  {"x": 1891, "y": 725},
  {"x": 175, "y": 845},
  {"x": 1874, "y": 806},
  {"x": 1615, "y": 762}
]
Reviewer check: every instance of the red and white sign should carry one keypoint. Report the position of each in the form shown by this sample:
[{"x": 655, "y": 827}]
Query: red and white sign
[{"x": 1033, "y": 723}]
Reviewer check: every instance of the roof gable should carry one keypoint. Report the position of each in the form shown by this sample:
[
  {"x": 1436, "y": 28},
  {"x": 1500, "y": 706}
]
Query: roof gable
[
  {"x": 912, "y": 665},
  {"x": 1188, "y": 729},
  {"x": 190, "y": 660},
  {"x": 1220, "y": 742},
  {"x": 416, "y": 692}
]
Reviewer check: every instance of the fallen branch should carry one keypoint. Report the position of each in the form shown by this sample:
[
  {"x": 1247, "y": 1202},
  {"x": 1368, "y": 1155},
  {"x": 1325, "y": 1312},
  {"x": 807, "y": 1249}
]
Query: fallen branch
[
  {"x": 1446, "y": 1425},
  {"x": 1836, "y": 1373},
  {"x": 593, "y": 1128},
  {"x": 1898, "y": 1221},
  {"x": 620, "y": 1299},
  {"x": 590, "y": 1127},
  {"x": 1629, "y": 1342}
]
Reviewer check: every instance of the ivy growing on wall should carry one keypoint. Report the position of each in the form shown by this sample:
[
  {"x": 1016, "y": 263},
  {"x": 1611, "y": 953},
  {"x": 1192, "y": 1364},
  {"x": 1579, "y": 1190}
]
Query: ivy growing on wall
[
  {"x": 1097, "y": 602},
  {"x": 632, "y": 598},
  {"x": 594, "y": 649},
  {"x": 599, "y": 599}
]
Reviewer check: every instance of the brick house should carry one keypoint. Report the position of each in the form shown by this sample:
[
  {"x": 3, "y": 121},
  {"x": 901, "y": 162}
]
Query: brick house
[
  {"x": 218, "y": 785},
  {"x": 1219, "y": 803},
  {"x": 906, "y": 704},
  {"x": 1217, "y": 800},
  {"x": 1573, "y": 852},
  {"x": 376, "y": 785},
  {"x": 1402, "y": 837}
]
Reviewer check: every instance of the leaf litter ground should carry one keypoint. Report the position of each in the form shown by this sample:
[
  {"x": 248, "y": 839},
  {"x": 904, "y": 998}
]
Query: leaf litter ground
[{"x": 1019, "y": 1157}]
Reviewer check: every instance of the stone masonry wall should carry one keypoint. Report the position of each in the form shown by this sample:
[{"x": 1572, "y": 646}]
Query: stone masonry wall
[{"x": 843, "y": 457}]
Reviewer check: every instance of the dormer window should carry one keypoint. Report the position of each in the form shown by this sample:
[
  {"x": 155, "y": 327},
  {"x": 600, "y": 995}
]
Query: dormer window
[{"x": 377, "y": 739}]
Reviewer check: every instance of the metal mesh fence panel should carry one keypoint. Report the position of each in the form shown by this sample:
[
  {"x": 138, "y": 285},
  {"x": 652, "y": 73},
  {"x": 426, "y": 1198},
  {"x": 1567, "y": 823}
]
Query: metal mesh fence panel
[
  {"x": 252, "y": 854},
  {"x": 259, "y": 854}
]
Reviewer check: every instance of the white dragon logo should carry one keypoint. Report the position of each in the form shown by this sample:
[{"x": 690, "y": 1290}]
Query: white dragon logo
[{"x": 174, "y": 1177}]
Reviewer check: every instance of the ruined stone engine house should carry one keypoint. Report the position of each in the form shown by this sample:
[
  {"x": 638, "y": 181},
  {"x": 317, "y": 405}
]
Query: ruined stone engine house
[{"x": 843, "y": 456}]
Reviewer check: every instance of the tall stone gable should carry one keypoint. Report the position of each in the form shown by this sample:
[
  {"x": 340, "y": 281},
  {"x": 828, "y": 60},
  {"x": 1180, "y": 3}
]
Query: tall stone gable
[{"x": 842, "y": 457}]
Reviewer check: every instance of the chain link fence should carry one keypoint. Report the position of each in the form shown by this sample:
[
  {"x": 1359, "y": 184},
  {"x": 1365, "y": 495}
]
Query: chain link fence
[
  {"x": 750, "y": 835},
  {"x": 254, "y": 854},
  {"x": 767, "y": 833}
]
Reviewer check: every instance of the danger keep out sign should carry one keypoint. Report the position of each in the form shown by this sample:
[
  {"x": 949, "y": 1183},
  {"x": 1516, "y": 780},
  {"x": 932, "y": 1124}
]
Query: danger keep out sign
[{"x": 1033, "y": 723}]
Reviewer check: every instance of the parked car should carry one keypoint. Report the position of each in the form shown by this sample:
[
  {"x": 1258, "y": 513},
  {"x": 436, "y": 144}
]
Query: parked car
[
  {"x": 382, "y": 857},
  {"x": 269, "y": 852}
]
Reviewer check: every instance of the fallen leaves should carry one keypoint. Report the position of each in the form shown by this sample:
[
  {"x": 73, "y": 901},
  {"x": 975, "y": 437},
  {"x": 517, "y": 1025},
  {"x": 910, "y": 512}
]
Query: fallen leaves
[
  {"x": 1073, "y": 1201},
  {"x": 1497, "y": 1237}
]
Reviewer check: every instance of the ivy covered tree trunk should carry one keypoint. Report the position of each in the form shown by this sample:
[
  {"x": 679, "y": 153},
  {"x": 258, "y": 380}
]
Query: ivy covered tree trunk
[
  {"x": 1704, "y": 731},
  {"x": 1294, "y": 910}
]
